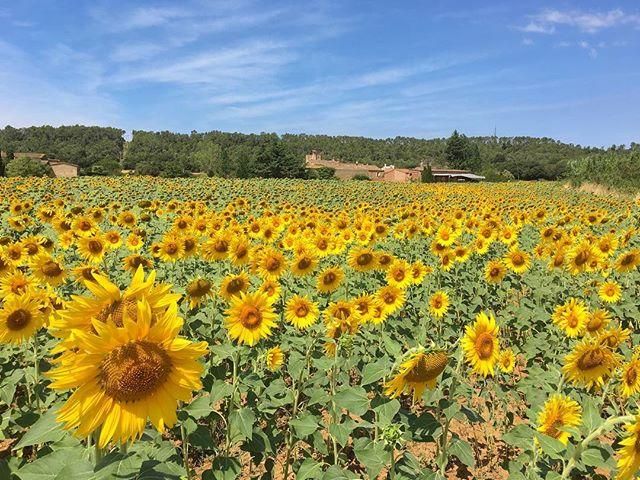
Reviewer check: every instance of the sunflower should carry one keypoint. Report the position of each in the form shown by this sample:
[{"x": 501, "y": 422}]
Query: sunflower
[
  {"x": 239, "y": 251},
  {"x": 630, "y": 377},
  {"x": 590, "y": 364},
  {"x": 271, "y": 264},
  {"x": 572, "y": 317},
  {"x": 217, "y": 247},
  {"x": 365, "y": 305},
  {"x": 123, "y": 376},
  {"x": 439, "y": 304},
  {"x": 301, "y": 312},
  {"x": 495, "y": 271},
  {"x": 274, "y": 358},
  {"x": 109, "y": 302},
  {"x": 92, "y": 248},
  {"x": 559, "y": 413},
  {"x": 627, "y": 262},
  {"x": 383, "y": 260},
  {"x": 271, "y": 289},
  {"x": 234, "y": 285},
  {"x": 171, "y": 249},
  {"x": 517, "y": 260},
  {"x": 85, "y": 273},
  {"x": 480, "y": 344},
  {"x": 390, "y": 298},
  {"x": 330, "y": 279},
  {"x": 343, "y": 312},
  {"x": 134, "y": 242},
  {"x": 598, "y": 321},
  {"x": 421, "y": 370},
  {"x": 399, "y": 273},
  {"x": 629, "y": 452},
  {"x": 114, "y": 239},
  {"x": 610, "y": 292},
  {"x": 507, "y": 360},
  {"x": 132, "y": 262},
  {"x": 47, "y": 270},
  {"x": 84, "y": 226},
  {"x": 418, "y": 271},
  {"x": 303, "y": 264},
  {"x": 20, "y": 318},
  {"x": 15, "y": 284},
  {"x": 250, "y": 318},
  {"x": 199, "y": 291},
  {"x": 614, "y": 337},
  {"x": 362, "y": 259}
]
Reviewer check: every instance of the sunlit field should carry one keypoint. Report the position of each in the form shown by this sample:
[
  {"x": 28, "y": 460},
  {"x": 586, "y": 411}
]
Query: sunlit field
[{"x": 221, "y": 329}]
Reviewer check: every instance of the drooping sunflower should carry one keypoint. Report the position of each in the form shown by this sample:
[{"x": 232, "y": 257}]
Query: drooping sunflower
[
  {"x": 199, "y": 291},
  {"x": 274, "y": 358},
  {"x": 558, "y": 413},
  {"x": 250, "y": 318},
  {"x": 629, "y": 453},
  {"x": 439, "y": 304},
  {"x": 20, "y": 318},
  {"x": 598, "y": 321},
  {"x": 481, "y": 344},
  {"x": 330, "y": 279},
  {"x": 420, "y": 371},
  {"x": 630, "y": 377},
  {"x": 590, "y": 364},
  {"x": 614, "y": 337},
  {"x": 610, "y": 292},
  {"x": 121, "y": 377},
  {"x": 131, "y": 263},
  {"x": 301, "y": 312}
]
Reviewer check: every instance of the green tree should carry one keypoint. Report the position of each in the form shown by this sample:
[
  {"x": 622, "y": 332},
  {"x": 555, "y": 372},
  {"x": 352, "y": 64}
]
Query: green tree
[
  {"x": 275, "y": 160},
  {"x": 27, "y": 167},
  {"x": 426, "y": 176}
]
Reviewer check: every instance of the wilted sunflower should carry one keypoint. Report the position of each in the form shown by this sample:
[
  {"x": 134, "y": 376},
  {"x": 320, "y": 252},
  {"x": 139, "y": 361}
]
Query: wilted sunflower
[
  {"x": 20, "y": 318},
  {"x": 234, "y": 285},
  {"x": 495, "y": 271},
  {"x": 274, "y": 358},
  {"x": 480, "y": 344},
  {"x": 559, "y": 412},
  {"x": 250, "y": 318},
  {"x": 629, "y": 452},
  {"x": 630, "y": 377},
  {"x": 614, "y": 337},
  {"x": 439, "y": 304},
  {"x": 610, "y": 292},
  {"x": 301, "y": 312},
  {"x": 598, "y": 321},
  {"x": 330, "y": 279},
  {"x": 421, "y": 370},
  {"x": 199, "y": 291},
  {"x": 123, "y": 376},
  {"x": 590, "y": 364}
]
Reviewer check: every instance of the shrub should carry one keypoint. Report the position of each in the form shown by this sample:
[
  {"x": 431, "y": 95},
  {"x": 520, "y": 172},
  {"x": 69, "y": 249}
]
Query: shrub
[{"x": 27, "y": 167}]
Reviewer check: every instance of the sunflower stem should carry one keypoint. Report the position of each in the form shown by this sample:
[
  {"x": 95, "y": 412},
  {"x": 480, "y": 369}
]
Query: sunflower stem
[
  {"x": 606, "y": 426},
  {"x": 36, "y": 371},
  {"x": 444, "y": 442},
  {"x": 185, "y": 450}
]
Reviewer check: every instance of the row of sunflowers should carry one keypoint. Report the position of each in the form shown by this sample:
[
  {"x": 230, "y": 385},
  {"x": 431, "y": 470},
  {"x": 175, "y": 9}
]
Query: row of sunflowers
[{"x": 219, "y": 329}]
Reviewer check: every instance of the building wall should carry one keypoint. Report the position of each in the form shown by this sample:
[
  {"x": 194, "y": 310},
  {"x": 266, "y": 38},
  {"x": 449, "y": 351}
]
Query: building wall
[{"x": 65, "y": 170}]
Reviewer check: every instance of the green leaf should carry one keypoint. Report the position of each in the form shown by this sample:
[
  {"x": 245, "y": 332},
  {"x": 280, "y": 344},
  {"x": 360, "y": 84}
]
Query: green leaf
[
  {"x": 8, "y": 388},
  {"x": 341, "y": 431},
  {"x": 550, "y": 445},
  {"x": 520, "y": 436},
  {"x": 334, "y": 472},
  {"x": 220, "y": 390},
  {"x": 371, "y": 455},
  {"x": 199, "y": 408},
  {"x": 386, "y": 411},
  {"x": 590, "y": 415},
  {"x": 46, "y": 429},
  {"x": 223, "y": 468},
  {"x": 463, "y": 451},
  {"x": 594, "y": 457},
  {"x": 309, "y": 469},
  {"x": 353, "y": 399},
  {"x": 117, "y": 465},
  {"x": 373, "y": 372},
  {"x": 241, "y": 423},
  {"x": 63, "y": 464},
  {"x": 304, "y": 425}
]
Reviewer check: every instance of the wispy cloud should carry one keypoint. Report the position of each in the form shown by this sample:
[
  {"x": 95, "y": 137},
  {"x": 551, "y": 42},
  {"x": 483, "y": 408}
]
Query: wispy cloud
[{"x": 590, "y": 22}]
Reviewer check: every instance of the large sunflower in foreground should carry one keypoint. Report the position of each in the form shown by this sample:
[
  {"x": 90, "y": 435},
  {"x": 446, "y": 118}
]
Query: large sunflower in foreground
[
  {"x": 559, "y": 412},
  {"x": 480, "y": 344},
  {"x": 629, "y": 453},
  {"x": 109, "y": 302},
  {"x": 590, "y": 363},
  {"x": 123, "y": 376},
  {"x": 250, "y": 318},
  {"x": 20, "y": 317},
  {"x": 421, "y": 370}
]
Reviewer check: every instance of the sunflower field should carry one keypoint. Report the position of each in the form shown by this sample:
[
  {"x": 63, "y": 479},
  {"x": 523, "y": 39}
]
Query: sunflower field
[{"x": 221, "y": 329}]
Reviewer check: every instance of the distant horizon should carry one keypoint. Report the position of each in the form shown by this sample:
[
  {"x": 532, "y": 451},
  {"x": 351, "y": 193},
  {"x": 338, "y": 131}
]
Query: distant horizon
[
  {"x": 566, "y": 71},
  {"x": 129, "y": 133}
]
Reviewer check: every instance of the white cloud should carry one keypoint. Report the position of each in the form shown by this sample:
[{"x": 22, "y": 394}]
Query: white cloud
[
  {"x": 590, "y": 22},
  {"x": 527, "y": 41}
]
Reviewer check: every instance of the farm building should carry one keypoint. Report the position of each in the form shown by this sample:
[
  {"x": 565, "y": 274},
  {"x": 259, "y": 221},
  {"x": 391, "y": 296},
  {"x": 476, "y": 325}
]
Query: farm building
[{"x": 60, "y": 168}]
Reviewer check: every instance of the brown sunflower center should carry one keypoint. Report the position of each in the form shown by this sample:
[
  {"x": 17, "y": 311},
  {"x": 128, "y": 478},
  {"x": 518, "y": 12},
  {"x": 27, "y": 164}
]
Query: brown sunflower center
[
  {"x": 302, "y": 311},
  {"x": 427, "y": 367},
  {"x": 627, "y": 259},
  {"x": 399, "y": 275},
  {"x": 484, "y": 345},
  {"x": 342, "y": 313},
  {"x": 495, "y": 272},
  {"x": 18, "y": 319},
  {"x": 85, "y": 226},
  {"x": 250, "y": 317},
  {"x": 591, "y": 359},
  {"x": 95, "y": 246},
  {"x": 51, "y": 269},
  {"x": 31, "y": 248},
  {"x": 199, "y": 288},
  {"x": 134, "y": 371},
  {"x": 118, "y": 311},
  {"x": 189, "y": 244},
  {"x": 581, "y": 258},
  {"x": 234, "y": 286},
  {"x": 517, "y": 259},
  {"x": 329, "y": 278},
  {"x": 171, "y": 248},
  {"x": 221, "y": 246},
  {"x": 388, "y": 298},
  {"x": 272, "y": 264},
  {"x": 304, "y": 263},
  {"x": 631, "y": 376}
]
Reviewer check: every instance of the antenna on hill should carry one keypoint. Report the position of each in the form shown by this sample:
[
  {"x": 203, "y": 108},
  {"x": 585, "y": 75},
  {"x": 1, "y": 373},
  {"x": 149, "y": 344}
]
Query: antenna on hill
[{"x": 495, "y": 130}]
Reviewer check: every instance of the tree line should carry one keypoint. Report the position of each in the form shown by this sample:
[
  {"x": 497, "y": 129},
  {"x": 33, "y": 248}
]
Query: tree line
[{"x": 104, "y": 151}]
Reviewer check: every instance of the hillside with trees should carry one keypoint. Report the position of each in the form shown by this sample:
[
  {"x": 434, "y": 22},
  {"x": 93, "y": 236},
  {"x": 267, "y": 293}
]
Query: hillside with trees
[{"x": 103, "y": 151}]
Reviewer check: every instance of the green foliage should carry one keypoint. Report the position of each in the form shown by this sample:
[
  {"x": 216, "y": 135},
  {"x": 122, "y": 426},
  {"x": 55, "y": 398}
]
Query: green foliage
[
  {"x": 614, "y": 169},
  {"x": 27, "y": 167},
  {"x": 275, "y": 160},
  {"x": 360, "y": 176},
  {"x": 106, "y": 167},
  {"x": 426, "y": 176},
  {"x": 323, "y": 173}
]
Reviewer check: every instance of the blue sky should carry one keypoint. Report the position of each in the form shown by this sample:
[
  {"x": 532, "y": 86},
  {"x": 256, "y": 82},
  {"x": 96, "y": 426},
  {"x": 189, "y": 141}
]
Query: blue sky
[{"x": 568, "y": 70}]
